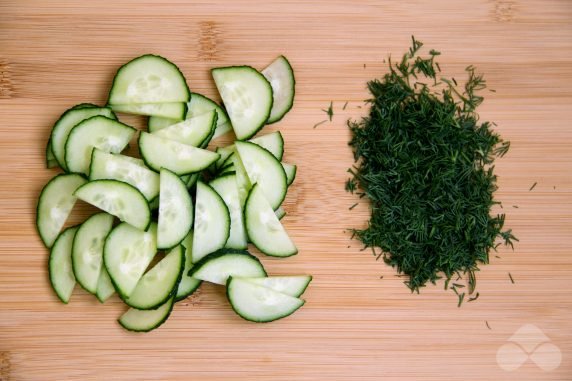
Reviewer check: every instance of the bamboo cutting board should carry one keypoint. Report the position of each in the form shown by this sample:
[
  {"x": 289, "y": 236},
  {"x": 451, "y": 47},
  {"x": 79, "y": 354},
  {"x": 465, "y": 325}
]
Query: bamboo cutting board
[{"x": 355, "y": 326}]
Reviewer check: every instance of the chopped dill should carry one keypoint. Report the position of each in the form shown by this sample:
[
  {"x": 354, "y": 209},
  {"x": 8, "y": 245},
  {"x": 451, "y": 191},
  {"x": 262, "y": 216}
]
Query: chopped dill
[
  {"x": 330, "y": 111},
  {"x": 320, "y": 123},
  {"x": 511, "y": 279},
  {"x": 345, "y": 105},
  {"x": 533, "y": 185},
  {"x": 353, "y": 206},
  {"x": 487, "y": 323},
  {"x": 425, "y": 161}
]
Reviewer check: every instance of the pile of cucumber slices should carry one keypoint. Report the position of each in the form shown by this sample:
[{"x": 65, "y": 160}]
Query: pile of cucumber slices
[{"x": 180, "y": 214}]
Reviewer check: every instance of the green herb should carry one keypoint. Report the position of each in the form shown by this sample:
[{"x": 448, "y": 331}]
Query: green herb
[
  {"x": 487, "y": 323},
  {"x": 319, "y": 123},
  {"x": 353, "y": 206},
  {"x": 461, "y": 298},
  {"x": 515, "y": 206},
  {"x": 345, "y": 105},
  {"x": 511, "y": 280},
  {"x": 330, "y": 111},
  {"x": 473, "y": 298},
  {"x": 532, "y": 187},
  {"x": 351, "y": 185},
  {"x": 425, "y": 161}
]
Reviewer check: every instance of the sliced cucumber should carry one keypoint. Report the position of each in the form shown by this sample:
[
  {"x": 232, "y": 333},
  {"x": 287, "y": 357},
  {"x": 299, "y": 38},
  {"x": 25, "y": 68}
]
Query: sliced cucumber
[
  {"x": 175, "y": 211},
  {"x": 225, "y": 155},
  {"x": 106, "y": 166},
  {"x": 87, "y": 252},
  {"x": 60, "y": 265},
  {"x": 188, "y": 284},
  {"x": 290, "y": 170},
  {"x": 98, "y": 132},
  {"x": 281, "y": 77},
  {"x": 247, "y": 96},
  {"x": 127, "y": 253},
  {"x": 175, "y": 110},
  {"x": 218, "y": 266},
  {"x": 227, "y": 187},
  {"x": 119, "y": 199},
  {"x": 149, "y": 79},
  {"x": 146, "y": 320},
  {"x": 242, "y": 180},
  {"x": 259, "y": 304},
  {"x": 193, "y": 131},
  {"x": 104, "y": 286},
  {"x": 55, "y": 204},
  {"x": 212, "y": 222},
  {"x": 64, "y": 125},
  {"x": 294, "y": 285},
  {"x": 51, "y": 161},
  {"x": 280, "y": 213},
  {"x": 160, "y": 283},
  {"x": 265, "y": 170},
  {"x": 273, "y": 142},
  {"x": 263, "y": 227},
  {"x": 180, "y": 158}
]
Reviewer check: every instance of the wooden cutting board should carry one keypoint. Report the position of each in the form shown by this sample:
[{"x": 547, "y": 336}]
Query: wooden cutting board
[{"x": 355, "y": 326}]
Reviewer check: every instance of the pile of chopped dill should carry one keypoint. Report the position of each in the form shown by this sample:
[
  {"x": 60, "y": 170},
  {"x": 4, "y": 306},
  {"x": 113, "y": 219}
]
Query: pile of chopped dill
[{"x": 424, "y": 160}]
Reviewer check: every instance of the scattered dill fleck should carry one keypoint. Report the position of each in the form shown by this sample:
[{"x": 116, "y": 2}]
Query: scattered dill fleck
[
  {"x": 354, "y": 205},
  {"x": 358, "y": 106},
  {"x": 349, "y": 246},
  {"x": 364, "y": 66},
  {"x": 555, "y": 187},
  {"x": 492, "y": 90},
  {"x": 330, "y": 111},
  {"x": 319, "y": 123},
  {"x": 511, "y": 279},
  {"x": 345, "y": 105},
  {"x": 425, "y": 161},
  {"x": 351, "y": 185},
  {"x": 458, "y": 285},
  {"x": 497, "y": 256},
  {"x": 381, "y": 277},
  {"x": 461, "y": 298},
  {"x": 515, "y": 206},
  {"x": 474, "y": 298},
  {"x": 487, "y": 323},
  {"x": 379, "y": 256},
  {"x": 533, "y": 185}
]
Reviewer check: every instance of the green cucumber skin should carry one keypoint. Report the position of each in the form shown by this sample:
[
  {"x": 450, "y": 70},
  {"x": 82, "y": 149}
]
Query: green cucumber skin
[
  {"x": 258, "y": 128},
  {"x": 222, "y": 253},
  {"x": 188, "y": 293},
  {"x": 293, "y": 93},
  {"x": 228, "y": 284},
  {"x": 148, "y": 55},
  {"x": 208, "y": 139},
  {"x": 171, "y": 294},
  {"x": 160, "y": 323}
]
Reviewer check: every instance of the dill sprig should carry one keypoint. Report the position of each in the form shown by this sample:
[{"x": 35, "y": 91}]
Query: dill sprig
[
  {"x": 330, "y": 111},
  {"x": 425, "y": 161}
]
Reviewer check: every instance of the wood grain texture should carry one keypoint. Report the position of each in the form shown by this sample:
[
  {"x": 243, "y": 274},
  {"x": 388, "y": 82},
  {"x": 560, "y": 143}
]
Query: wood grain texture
[{"x": 355, "y": 326}]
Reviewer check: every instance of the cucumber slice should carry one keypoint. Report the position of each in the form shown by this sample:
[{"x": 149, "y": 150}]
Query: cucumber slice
[
  {"x": 55, "y": 204},
  {"x": 225, "y": 155},
  {"x": 127, "y": 253},
  {"x": 64, "y": 125},
  {"x": 273, "y": 142},
  {"x": 174, "y": 110},
  {"x": 60, "y": 265},
  {"x": 146, "y": 320},
  {"x": 104, "y": 286},
  {"x": 106, "y": 166},
  {"x": 281, "y": 77},
  {"x": 193, "y": 131},
  {"x": 159, "y": 284},
  {"x": 188, "y": 284},
  {"x": 96, "y": 132},
  {"x": 290, "y": 285},
  {"x": 259, "y": 304},
  {"x": 264, "y": 169},
  {"x": 212, "y": 222},
  {"x": 242, "y": 180},
  {"x": 175, "y": 211},
  {"x": 180, "y": 158},
  {"x": 149, "y": 79},
  {"x": 198, "y": 105},
  {"x": 290, "y": 170},
  {"x": 280, "y": 213},
  {"x": 218, "y": 266},
  {"x": 263, "y": 227},
  {"x": 119, "y": 199},
  {"x": 247, "y": 96},
  {"x": 51, "y": 161},
  {"x": 227, "y": 188},
  {"x": 87, "y": 251}
]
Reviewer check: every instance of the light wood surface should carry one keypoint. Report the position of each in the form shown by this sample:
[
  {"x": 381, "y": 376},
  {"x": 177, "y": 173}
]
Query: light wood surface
[{"x": 355, "y": 326}]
